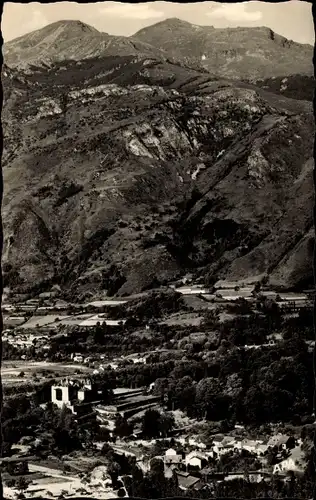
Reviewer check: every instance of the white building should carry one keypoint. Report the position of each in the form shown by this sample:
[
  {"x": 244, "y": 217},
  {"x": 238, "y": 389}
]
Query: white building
[
  {"x": 196, "y": 459},
  {"x": 223, "y": 444},
  {"x": 78, "y": 358},
  {"x": 251, "y": 445},
  {"x": 280, "y": 441},
  {"x": 172, "y": 457},
  {"x": 69, "y": 393},
  {"x": 170, "y": 453},
  {"x": 172, "y": 461}
]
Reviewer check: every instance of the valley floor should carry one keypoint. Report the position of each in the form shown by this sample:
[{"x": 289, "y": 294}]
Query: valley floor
[{"x": 33, "y": 364}]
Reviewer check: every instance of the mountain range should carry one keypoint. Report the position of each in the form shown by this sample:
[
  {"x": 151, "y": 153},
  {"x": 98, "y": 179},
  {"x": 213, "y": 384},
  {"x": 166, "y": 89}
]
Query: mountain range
[
  {"x": 129, "y": 162},
  {"x": 242, "y": 53}
]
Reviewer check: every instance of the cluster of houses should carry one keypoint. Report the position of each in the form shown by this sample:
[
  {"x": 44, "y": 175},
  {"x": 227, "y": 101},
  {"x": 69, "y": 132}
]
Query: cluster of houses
[
  {"x": 195, "y": 468},
  {"x": 113, "y": 364},
  {"x": 194, "y": 464},
  {"x": 21, "y": 339}
]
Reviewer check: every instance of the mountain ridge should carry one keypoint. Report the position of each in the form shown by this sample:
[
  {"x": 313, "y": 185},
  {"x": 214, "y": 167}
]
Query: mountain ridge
[
  {"x": 68, "y": 39},
  {"x": 235, "y": 53},
  {"x": 247, "y": 53}
]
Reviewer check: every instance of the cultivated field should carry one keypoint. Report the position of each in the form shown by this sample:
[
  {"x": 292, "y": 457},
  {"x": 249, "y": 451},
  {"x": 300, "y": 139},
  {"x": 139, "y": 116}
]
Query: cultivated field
[{"x": 15, "y": 372}]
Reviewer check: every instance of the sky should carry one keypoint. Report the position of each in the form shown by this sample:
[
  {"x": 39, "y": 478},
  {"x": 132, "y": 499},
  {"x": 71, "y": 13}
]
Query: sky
[{"x": 291, "y": 19}]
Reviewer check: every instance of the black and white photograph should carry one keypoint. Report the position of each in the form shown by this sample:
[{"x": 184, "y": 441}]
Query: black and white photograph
[{"x": 158, "y": 245}]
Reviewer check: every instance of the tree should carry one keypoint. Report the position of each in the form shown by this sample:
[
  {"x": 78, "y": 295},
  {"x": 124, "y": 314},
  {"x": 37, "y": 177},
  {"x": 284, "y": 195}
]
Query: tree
[
  {"x": 151, "y": 424},
  {"x": 104, "y": 435},
  {"x": 206, "y": 393},
  {"x": 161, "y": 388},
  {"x": 181, "y": 390},
  {"x": 22, "y": 484},
  {"x": 156, "y": 424},
  {"x": 106, "y": 449},
  {"x": 114, "y": 470},
  {"x": 166, "y": 423},
  {"x": 272, "y": 311},
  {"x": 211, "y": 319},
  {"x": 122, "y": 427},
  {"x": 64, "y": 99},
  {"x": 157, "y": 466}
]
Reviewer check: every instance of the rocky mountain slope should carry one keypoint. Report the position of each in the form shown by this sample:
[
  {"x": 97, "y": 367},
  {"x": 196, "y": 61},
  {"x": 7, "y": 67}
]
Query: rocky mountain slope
[
  {"x": 247, "y": 53},
  {"x": 122, "y": 173}
]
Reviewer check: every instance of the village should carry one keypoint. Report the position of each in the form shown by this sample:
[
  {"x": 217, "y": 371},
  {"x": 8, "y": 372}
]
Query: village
[
  {"x": 183, "y": 451},
  {"x": 189, "y": 458}
]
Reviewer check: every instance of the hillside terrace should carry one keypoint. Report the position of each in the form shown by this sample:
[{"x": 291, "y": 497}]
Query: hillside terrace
[{"x": 127, "y": 407}]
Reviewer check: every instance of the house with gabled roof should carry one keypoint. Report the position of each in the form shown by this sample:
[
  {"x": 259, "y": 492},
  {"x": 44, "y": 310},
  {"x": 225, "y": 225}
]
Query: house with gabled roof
[
  {"x": 252, "y": 446},
  {"x": 282, "y": 442},
  {"x": 223, "y": 444},
  {"x": 172, "y": 461},
  {"x": 196, "y": 459}
]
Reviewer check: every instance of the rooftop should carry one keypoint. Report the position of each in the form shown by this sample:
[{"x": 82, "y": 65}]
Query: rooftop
[{"x": 186, "y": 481}]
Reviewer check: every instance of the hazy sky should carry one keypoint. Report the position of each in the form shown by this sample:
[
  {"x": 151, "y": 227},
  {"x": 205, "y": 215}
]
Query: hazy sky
[{"x": 291, "y": 19}]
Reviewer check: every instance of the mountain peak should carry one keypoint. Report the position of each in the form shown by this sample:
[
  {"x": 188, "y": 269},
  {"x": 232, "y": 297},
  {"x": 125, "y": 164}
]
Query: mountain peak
[
  {"x": 174, "y": 21},
  {"x": 167, "y": 24},
  {"x": 73, "y": 22},
  {"x": 70, "y": 40},
  {"x": 238, "y": 52},
  {"x": 70, "y": 28},
  {"x": 70, "y": 25}
]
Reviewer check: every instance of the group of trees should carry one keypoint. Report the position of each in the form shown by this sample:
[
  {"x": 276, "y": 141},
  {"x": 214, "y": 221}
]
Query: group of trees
[
  {"x": 246, "y": 328},
  {"x": 217, "y": 380},
  {"x": 49, "y": 430},
  {"x": 250, "y": 386},
  {"x": 154, "y": 305},
  {"x": 272, "y": 383},
  {"x": 156, "y": 424}
]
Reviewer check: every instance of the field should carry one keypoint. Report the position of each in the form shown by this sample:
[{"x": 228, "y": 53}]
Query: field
[{"x": 19, "y": 372}]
